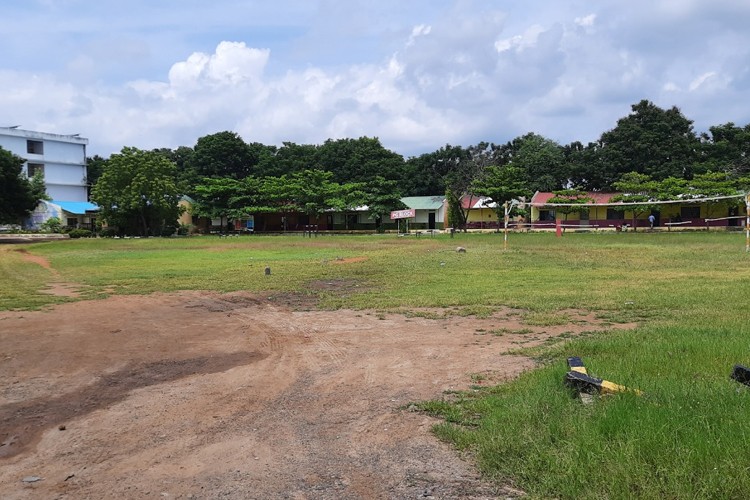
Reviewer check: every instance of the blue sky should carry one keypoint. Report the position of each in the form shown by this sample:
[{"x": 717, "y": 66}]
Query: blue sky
[{"x": 417, "y": 74}]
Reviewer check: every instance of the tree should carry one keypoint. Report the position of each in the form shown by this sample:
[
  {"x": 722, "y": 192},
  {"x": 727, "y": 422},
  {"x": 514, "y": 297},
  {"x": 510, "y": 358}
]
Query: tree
[
  {"x": 639, "y": 190},
  {"x": 137, "y": 192},
  {"x": 726, "y": 149},
  {"x": 220, "y": 199},
  {"x": 313, "y": 192},
  {"x": 502, "y": 185},
  {"x": 358, "y": 160},
  {"x": 458, "y": 169},
  {"x": 223, "y": 154},
  {"x": 187, "y": 176},
  {"x": 650, "y": 140},
  {"x": 18, "y": 196},
  {"x": 289, "y": 158},
  {"x": 262, "y": 159},
  {"x": 575, "y": 198},
  {"x": 94, "y": 168},
  {"x": 715, "y": 185},
  {"x": 419, "y": 178},
  {"x": 541, "y": 159},
  {"x": 381, "y": 197}
]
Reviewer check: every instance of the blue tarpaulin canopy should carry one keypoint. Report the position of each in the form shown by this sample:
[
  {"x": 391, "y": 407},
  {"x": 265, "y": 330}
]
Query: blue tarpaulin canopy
[{"x": 76, "y": 207}]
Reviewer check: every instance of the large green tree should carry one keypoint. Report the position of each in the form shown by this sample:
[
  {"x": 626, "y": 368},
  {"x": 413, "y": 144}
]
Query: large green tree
[
  {"x": 573, "y": 199},
  {"x": 725, "y": 148},
  {"x": 94, "y": 168},
  {"x": 223, "y": 154},
  {"x": 187, "y": 176},
  {"x": 716, "y": 185},
  {"x": 650, "y": 140},
  {"x": 637, "y": 191},
  {"x": 137, "y": 192},
  {"x": 358, "y": 160},
  {"x": 220, "y": 198},
  {"x": 541, "y": 159},
  {"x": 503, "y": 185},
  {"x": 288, "y": 159},
  {"x": 18, "y": 195},
  {"x": 381, "y": 197},
  {"x": 314, "y": 191}
]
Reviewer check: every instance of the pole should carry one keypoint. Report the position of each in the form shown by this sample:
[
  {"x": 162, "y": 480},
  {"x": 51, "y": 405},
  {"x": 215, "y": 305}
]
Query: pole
[
  {"x": 505, "y": 237},
  {"x": 747, "y": 222}
]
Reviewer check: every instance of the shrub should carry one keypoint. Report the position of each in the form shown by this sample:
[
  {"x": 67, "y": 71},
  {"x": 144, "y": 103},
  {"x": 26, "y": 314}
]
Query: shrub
[
  {"x": 51, "y": 225},
  {"x": 80, "y": 233}
]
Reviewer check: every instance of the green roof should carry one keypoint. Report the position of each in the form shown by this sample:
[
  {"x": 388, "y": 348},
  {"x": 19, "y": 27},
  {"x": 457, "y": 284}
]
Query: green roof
[{"x": 423, "y": 202}]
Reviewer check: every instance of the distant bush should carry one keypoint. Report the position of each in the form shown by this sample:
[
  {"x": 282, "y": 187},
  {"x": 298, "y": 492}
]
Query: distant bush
[
  {"x": 80, "y": 233},
  {"x": 108, "y": 232}
]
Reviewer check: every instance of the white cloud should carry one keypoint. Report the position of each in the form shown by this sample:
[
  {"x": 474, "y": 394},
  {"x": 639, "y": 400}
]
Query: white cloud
[
  {"x": 521, "y": 42},
  {"x": 231, "y": 64},
  {"x": 702, "y": 80},
  {"x": 417, "y": 74},
  {"x": 417, "y": 31},
  {"x": 586, "y": 21}
]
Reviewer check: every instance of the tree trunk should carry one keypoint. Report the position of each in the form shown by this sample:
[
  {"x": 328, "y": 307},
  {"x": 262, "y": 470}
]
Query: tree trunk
[{"x": 145, "y": 224}]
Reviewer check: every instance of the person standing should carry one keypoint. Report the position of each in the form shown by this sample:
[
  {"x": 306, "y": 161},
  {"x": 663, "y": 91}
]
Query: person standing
[{"x": 651, "y": 220}]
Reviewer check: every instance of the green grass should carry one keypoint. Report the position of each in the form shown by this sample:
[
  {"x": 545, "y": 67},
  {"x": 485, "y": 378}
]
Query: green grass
[{"x": 687, "y": 437}]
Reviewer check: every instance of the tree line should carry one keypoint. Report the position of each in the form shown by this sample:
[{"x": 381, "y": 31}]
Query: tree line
[{"x": 229, "y": 177}]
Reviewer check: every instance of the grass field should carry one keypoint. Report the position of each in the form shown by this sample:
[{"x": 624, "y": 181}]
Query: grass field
[{"x": 687, "y": 437}]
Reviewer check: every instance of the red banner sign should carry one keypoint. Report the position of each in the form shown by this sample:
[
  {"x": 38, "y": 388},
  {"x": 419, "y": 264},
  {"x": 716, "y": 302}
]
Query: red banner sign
[{"x": 403, "y": 214}]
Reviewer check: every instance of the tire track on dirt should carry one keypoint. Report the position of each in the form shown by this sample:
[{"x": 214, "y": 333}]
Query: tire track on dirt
[{"x": 23, "y": 422}]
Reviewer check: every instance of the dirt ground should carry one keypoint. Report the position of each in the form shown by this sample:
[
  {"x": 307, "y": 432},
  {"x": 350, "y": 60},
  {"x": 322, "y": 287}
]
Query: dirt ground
[{"x": 207, "y": 395}]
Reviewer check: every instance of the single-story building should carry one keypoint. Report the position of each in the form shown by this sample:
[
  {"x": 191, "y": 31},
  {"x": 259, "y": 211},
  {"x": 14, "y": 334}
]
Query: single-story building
[
  {"x": 603, "y": 213},
  {"x": 480, "y": 211},
  {"x": 430, "y": 211},
  {"x": 73, "y": 214}
]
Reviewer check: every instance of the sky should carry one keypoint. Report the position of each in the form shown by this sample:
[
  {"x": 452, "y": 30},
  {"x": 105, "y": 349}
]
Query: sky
[{"x": 417, "y": 74}]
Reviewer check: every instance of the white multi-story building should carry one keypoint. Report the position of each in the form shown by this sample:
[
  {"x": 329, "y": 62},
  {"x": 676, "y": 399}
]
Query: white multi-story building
[
  {"x": 61, "y": 158},
  {"x": 62, "y": 161}
]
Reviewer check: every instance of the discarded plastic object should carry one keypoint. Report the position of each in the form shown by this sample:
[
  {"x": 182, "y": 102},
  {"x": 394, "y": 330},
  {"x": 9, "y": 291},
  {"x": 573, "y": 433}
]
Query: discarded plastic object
[
  {"x": 579, "y": 379},
  {"x": 576, "y": 365},
  {"x": 741, "y": 374},
  {"x": 591, "y": 385}
]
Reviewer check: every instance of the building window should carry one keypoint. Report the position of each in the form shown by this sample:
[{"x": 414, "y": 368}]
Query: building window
[
  {"x": 73, "y": 221},
  {"x": 613, "y": 214},
  {"x": 351, "y": 220},
  {"x": 546, "y": 215},
  {"x": 35, "y": 147},
  {"x": 35, "y": 168},
  {"x": 585, "y": 215},
  {"x": 690, "y": 213}
]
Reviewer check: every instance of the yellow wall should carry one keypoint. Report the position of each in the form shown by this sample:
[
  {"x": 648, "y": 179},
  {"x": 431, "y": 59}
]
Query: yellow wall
[
  {"x": 186, "y": 217},
  {"x": 668, "y": 211},
  {"x": 482, "y": 215}
]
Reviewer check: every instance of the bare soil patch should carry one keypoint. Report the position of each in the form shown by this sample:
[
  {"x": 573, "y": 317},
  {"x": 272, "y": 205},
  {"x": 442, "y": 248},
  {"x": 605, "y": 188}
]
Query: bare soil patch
[
  {"x": 35, "y": 259},
  {"x": 55, "y": 286},
  {"x": 207, "y": 395}
]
